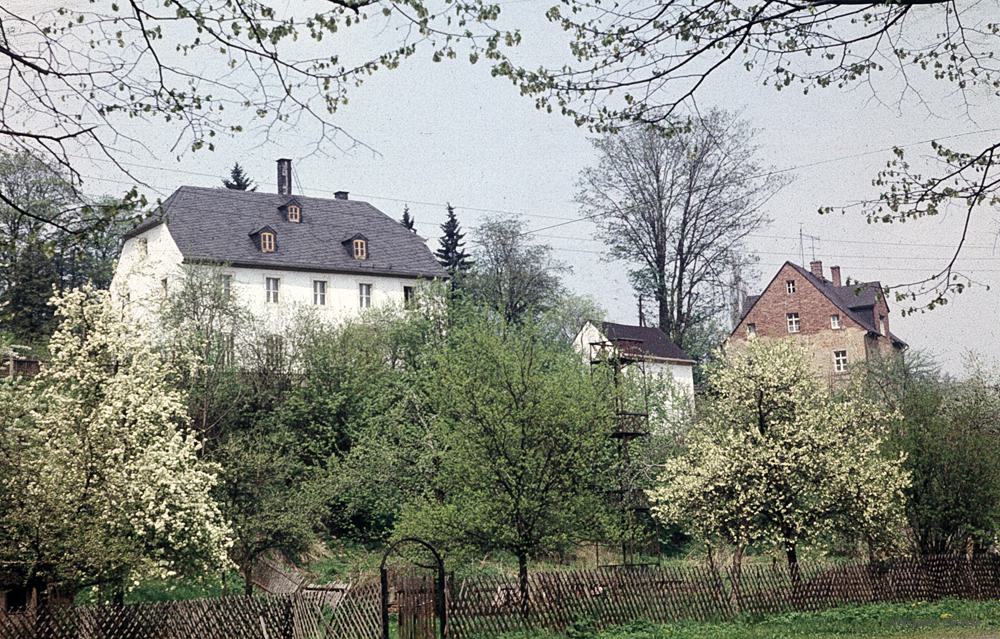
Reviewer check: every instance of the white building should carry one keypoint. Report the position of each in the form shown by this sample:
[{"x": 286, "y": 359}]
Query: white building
[
  {"x": 645, "y": 346},
  {"x": 276, "y": 251}
]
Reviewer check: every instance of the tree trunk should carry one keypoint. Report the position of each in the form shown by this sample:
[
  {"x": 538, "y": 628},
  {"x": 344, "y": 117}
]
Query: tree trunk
[
  {"x": 248, "y": 578},
  {"x": 737, "y": 577},
  {"x": 793, "y": 564},
  {"x": 522, "y": 583}
]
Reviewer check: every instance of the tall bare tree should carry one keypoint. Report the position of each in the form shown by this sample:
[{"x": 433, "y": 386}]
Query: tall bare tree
[
  {"x": 647, "y": 62},
  {"x": 678, "y": 206}
]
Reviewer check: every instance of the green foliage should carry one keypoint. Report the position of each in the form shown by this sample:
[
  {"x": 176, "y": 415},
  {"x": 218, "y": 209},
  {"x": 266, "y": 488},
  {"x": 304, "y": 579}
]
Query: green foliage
[
  {"x": 947, "y": 618},
  {"x": 408, "y": 222},
  {"x": 102, "y": 484},
  {"x": 37, "y": 258},
  {"x": 516, "y": 439},
  {"x": 950, "y": 435},
  {"x": 238, "y": 180},
  {"x": 513, "y": 276},
  {"x": 248, "y": 411},
  {"x": 451, "y": 250},
  {"x": 774, "y": 459}
]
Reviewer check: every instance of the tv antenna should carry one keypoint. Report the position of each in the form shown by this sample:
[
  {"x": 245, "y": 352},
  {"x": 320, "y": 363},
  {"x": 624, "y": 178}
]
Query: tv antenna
[{"x": 802, "y": 245}]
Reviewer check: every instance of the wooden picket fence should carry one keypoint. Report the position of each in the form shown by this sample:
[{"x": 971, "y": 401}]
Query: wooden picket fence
[
  {"x": 605, "y": 597},
  {"x": 355, "y": 614},
  {"x": 492, "y": 605}
]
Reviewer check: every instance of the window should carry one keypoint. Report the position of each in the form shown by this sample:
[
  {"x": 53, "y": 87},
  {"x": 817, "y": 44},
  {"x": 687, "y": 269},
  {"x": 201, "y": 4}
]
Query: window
[
  {"x": 228, "y": 349},
  {"x": 365, "y": 295},
  {"x": 839, "y": 361},
  {"x": 360, "y": 249},
  {"x": 163, "y": 284},
  {"x": 274, "y": 348},
  {"x": 881, "y": 324},
  {"x": 267, "y": 242},
  {"x": 319, "y": 292},
  {"x": 294, "y": 213},
  {"x": 143, "y": 246},
  {"x": 835, "y": 321},
  {"x": 751, "y": 330},
  {"x": 793, "y": 322},
  {"x": 790, "y": 286},
  {"x": 271, "y": 286},
  {"x": 226, "y": 284},
  {"x": 408, "y": 296}
]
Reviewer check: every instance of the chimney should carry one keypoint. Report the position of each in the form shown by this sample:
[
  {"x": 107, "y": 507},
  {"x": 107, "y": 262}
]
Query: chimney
[
  {"x": 340, "y": 195},
  {"x": 835, "y": 275},
  {"x": 816, "y": 266},
  {"x": 284, "y": 176}
]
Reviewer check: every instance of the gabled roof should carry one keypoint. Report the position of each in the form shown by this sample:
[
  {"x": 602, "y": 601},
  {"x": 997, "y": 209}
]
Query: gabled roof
[
  {"x": 851, "y": 299},
  {"x": 647, "y": 340},
  {"x": 213, "y": 225}
]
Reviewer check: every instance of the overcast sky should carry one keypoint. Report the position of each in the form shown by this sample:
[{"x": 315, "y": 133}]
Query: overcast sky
[{"x": 450, "y": 132}]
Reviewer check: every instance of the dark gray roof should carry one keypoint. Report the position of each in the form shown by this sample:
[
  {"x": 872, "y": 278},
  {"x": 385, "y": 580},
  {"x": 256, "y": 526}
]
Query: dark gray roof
[
  {"x": 647, "y": 340},
  {"x": 214, "y": 224}
]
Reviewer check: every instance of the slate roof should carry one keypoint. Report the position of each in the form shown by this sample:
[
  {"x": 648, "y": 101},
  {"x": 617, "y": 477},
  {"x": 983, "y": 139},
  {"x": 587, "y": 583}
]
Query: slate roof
[
  {"x": 648, "y": 340},
  {"x": 214, "y": 225}
]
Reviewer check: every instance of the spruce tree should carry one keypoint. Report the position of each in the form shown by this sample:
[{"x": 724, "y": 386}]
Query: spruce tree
[
  {"x": 408, "y": 220},
  {"x": 451, "y": 253},
  {"x": 238, "y": 180}
]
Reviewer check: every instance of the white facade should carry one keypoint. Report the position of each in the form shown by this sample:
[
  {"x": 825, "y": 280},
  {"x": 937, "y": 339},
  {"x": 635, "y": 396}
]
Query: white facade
[
  {"x": 679, "y": 372},
  {"x": 150, "y": 264}
]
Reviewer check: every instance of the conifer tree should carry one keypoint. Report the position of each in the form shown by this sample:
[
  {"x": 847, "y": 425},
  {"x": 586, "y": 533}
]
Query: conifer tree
[
  {"x": 238, "y": 180},
  {"x": 451, "y": 253},
  {"x": 408, "y": 220}
]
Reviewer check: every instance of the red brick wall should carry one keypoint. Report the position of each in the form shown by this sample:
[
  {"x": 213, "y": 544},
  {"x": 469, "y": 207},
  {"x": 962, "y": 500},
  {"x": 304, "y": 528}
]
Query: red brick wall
[
  {"x": 815, "y": 334},
  {"x": 813, "y": 307}
]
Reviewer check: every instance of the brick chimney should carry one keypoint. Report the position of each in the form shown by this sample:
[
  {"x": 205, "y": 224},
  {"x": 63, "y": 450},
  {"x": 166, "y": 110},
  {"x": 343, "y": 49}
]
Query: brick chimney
[
  {"x": 835, "y": 275},
  {"x": 816, "y": 266},
  {"x": 340, "y": 195},
  {"x": 284, "y": 176}
]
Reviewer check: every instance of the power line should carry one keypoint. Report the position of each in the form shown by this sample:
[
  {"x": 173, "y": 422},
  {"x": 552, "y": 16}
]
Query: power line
[
  {"x": 796, "y": 168},
  {"x": 563, "y": 221}
]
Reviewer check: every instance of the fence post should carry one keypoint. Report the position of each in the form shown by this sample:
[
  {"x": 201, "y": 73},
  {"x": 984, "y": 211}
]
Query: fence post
[{"x": 288, "y": 623}]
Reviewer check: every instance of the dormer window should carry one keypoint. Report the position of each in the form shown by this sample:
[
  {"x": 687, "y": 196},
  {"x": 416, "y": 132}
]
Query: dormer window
[
  {"x": 360, "y": 249},
  {"x": 294, "y": 213},
  {"x": 267, "y": 242}
]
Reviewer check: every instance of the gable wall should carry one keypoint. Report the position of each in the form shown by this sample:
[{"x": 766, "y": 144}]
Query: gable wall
[{"x": 815, "y": 335}]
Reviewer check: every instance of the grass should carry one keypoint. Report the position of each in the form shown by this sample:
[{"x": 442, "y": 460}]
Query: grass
[{"x": 944, "y": 619}]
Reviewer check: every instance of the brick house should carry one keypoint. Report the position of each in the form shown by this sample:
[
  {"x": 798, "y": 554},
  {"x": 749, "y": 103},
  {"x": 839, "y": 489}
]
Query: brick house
[{"x": 840, "y": 324}]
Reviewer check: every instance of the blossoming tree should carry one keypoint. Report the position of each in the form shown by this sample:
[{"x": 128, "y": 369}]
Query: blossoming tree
[
  {"x": 101, "y": 483},
  {"x": 776, "y": 459}
]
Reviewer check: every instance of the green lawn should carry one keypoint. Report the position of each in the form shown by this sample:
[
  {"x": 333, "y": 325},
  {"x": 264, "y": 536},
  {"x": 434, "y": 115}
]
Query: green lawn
[{"x": 964, "y": 619}]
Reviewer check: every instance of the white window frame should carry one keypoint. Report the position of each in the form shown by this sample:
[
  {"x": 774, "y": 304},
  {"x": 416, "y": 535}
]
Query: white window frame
[
  {"x": 840, "y": 363},
  {"x": 793, "y": 322},
  {"x": 364, "y": 295},
  {"x": 360, "y": 249},
  {"x": 143, "y": 244},
  {"x": 226, "y": 282},
  {"x": 271, "y": 242},
  {"x": 751, "y": 330},
  {"x": 881, "y": 325},
  {"x": 835, "y": 321},
  {"x": 319, "y": 292},
  {"x": 409, "y": 295},
  {"x": 271, "y": 294},
  {"x": 789, "y": 286},
  {"x": 294, "y": 213}
]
